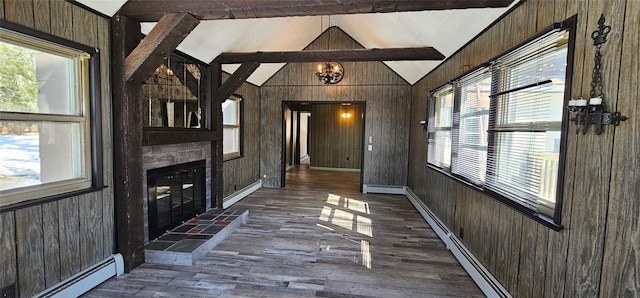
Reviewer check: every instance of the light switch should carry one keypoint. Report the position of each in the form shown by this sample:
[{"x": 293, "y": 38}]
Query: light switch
[
  {"x": 370, "y": 147},
  {"x": 370, "y": 141}
]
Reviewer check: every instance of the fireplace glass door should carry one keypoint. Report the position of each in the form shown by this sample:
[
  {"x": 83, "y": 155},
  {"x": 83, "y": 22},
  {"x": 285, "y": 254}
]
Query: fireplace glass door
[{"x": 176, "y": 194}]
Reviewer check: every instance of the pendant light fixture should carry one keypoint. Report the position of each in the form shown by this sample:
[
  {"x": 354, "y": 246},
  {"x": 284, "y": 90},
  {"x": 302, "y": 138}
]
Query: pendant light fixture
[{"x": 329, "y": 72}]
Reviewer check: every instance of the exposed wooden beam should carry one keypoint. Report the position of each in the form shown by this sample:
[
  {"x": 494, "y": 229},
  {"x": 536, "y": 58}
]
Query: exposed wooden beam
[
  {"x": 217, "y": 155},
  {"x": 152, "y": 10},
  {"x": 235, "y": 81},
  {"x": 127, "y": 146},
  {"x": 161, "y": 41},
  {"x": 394, "y": 54}
]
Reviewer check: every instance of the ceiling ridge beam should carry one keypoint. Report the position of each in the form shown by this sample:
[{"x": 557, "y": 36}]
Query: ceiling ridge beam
[
  {"x": 163, "y": 39},
  {"x": 392, "y": 54},
  {"x": 235, "y": 80},
  {"x": 151, "y": 10}
]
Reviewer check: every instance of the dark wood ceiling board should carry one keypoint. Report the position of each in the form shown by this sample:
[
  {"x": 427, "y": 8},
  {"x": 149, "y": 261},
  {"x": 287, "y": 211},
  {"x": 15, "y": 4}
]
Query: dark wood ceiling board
[
  {"x": 162, "y": 40},
  {"x": 393, "y": 54},
  {"x": 153, "y": 10}
]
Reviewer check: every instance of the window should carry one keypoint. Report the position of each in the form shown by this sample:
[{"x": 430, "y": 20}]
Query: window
[
  {"x": 232, "y": 127},
  {"x": 440, "y": 128},
  {"x": 528, "y": 106},
  {"x": 45, "y": 120},
  {"x": 507, "y": 124},
  {"x": 471, "y": 121}
]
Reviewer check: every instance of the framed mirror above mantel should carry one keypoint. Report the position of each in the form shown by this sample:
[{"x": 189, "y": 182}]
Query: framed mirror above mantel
[{"x": 176, "y": 106}]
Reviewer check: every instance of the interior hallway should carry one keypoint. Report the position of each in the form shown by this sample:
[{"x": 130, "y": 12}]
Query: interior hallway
[{"x": 317, "y": 237}]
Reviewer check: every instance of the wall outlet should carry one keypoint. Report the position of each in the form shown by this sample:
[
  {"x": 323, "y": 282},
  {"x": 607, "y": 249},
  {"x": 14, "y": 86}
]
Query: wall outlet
[{"x": 8, "y": 291}]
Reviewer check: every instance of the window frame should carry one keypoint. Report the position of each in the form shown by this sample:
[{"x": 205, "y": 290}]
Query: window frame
[
  {"x": 240, "y": 126},
  {"x": 433, "y": 129},
  {"x": 91, "y": 125},
  {"x": 555, "y": 221}
]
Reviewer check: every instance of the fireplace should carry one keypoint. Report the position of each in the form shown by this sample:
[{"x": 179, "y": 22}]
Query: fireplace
[{"x": 176, "y": 194}]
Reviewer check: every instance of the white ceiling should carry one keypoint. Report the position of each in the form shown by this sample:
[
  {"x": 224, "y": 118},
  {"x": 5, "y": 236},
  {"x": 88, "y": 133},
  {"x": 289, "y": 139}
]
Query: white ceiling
[{"x": 445, "y": 30}]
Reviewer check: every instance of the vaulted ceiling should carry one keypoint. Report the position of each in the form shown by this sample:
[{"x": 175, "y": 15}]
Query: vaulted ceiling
[{"x": 289, "y": 25}]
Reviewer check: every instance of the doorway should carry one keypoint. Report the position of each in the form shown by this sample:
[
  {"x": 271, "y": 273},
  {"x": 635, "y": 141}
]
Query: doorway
[{"x": 326, "y": 136}]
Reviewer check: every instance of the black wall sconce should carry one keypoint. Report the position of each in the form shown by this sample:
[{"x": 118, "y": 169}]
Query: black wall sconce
[{"x": 594, "y": 111}]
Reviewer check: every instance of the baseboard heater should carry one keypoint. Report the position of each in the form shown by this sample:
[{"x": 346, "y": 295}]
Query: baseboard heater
[
  {"x": 385, "y": 189},
  {"x": 480, "y": 275},
  {"x": 241, "y": 194},
  {"x": 87, "y": 279}
]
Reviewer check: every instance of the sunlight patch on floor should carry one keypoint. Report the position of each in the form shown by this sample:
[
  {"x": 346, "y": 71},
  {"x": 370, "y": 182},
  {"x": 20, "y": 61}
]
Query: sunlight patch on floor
[
  {"x": 325, "y": 214},
  {"x": 325, "y": 227},
  {"x": 364, "y": 226},
  {"x": 333, "y": 199},
  {"x": 342, "y": 219},
  {"x": 357, "y": 205},
  {"x": 350, "y": 219},
  {"x": 366, "y": 253}
]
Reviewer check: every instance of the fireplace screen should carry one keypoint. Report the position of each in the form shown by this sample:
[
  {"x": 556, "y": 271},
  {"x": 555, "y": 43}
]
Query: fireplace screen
[{"x": 176, "y": 194}]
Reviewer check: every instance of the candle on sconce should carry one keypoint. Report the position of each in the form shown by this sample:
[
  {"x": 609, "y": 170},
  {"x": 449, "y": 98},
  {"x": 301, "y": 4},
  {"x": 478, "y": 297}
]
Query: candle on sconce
[
  {"x": 595, "y": 101},
  {"x": 581, "y": 102}
]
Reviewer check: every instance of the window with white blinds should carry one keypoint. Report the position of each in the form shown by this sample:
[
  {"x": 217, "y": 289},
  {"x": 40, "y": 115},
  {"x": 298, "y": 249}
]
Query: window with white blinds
[
  {"x": 528, "y": 104},
  {"x": 501, "y": 125},
  {"x": 471, "y": 123},
  {"x": 440, "y": 120}
]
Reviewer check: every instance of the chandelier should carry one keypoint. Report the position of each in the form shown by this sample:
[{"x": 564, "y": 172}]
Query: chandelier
[{"x": 330, "y": 72}]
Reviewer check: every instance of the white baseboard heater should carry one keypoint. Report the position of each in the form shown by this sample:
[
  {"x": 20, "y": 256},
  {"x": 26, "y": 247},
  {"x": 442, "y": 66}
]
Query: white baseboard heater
[
  {"x": 241, "y": 194},
  {"x": 480, "y": 275},
  {"x": 385, "y": 189},
  {"x": 87, "y": 279}
]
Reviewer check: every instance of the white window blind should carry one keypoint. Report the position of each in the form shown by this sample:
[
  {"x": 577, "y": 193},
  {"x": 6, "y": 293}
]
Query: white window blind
[
  {"x": 440, "y": 120},
  {"x": 471, "y": 122},
  {"x": 528, "y": 101}
]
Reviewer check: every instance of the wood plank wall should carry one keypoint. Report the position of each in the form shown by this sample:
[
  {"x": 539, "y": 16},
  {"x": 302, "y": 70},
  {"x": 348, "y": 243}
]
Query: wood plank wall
[
  {"x": 336, "y": 142},
  {"x": 242, "y": 171},
  {"x": 598, "y": 252},
  {"x": 387, "y": 98},
  {"x": 44, "y": 244}
]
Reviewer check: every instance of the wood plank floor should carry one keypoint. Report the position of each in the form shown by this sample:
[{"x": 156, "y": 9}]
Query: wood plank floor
[{"x": 317, "y": 237}]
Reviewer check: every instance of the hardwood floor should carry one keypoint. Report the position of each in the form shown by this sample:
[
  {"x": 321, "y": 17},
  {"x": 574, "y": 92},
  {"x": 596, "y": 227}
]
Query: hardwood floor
[{"x": 318, "y": 237}]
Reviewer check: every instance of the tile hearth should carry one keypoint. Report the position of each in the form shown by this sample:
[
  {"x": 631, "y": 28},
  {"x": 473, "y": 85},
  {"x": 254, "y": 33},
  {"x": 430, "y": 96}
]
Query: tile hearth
[{"x": 190, "y": 241}]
